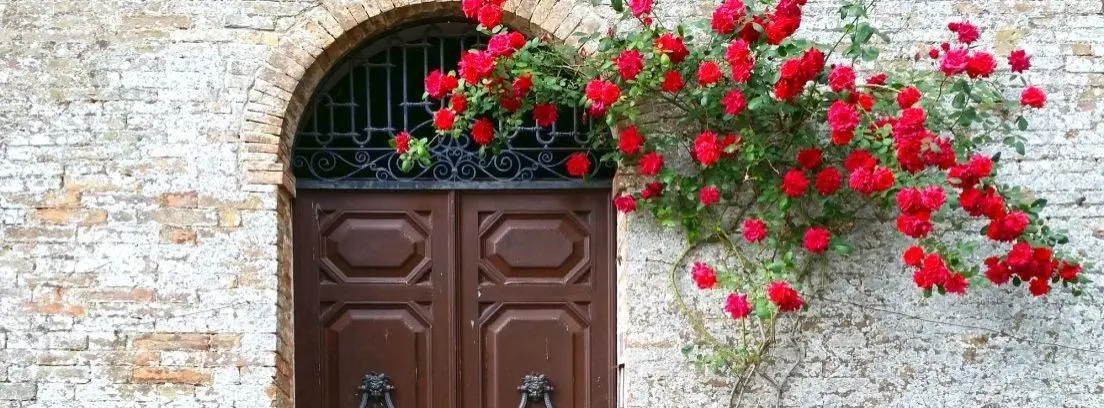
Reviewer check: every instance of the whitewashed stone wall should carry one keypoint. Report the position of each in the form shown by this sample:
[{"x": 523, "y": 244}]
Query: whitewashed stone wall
[{"x": 143, "y": 235}]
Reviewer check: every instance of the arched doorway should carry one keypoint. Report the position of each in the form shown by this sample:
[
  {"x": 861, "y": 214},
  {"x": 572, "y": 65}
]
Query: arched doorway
[{"x": 452, "y": 283}]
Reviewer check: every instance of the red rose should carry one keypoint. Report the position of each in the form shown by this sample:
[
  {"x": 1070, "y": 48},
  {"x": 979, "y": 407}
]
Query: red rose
[
  {"x": 651, "y": 163},
  {"x": 629, "y": 140},
  {"x": 933, "y": 53},
  {"x": 809, "y": 158},
  {"x": 1019, "y": 61},
  {"x": 625, "y": 203},
  {"x": 780, "y": 27},
  {"x": 640, "y": 8},
  {"x": 967, "y": 33},
  {"x": 522, "y": 85},
  {"x": 908, "y": 97},
  {"x": 816, "y": 239},
  {"x": 859, "y": 159},
  {"x": 916, "y": 225},
  {"x": 501, "y": 45},
  {"x": 402, "y": 142},
  {"x": 784, "y": 297},
  {"x": 629, "y": 64},
  {"x": 956, "y": 284},
  {"x": 733, "y": 102},
  {"x": 671, "y": 45},
  {"x": 578, "y": 164},
  {"x": 866, "y": 102},
  {"x": 842, "y": 117},
  {"x": 754, "y": 230},
  {"x": 827, "y": 181},
  {"x": 981, "y": 64},
  {"x": 1033, "y": 97},
  {"x": 883, "y": 179},
  {"x": 475, "y": 65},
  {"x": 1068, "y": 272},
  {"x": 954, "y": 62},
  {"x": 867, "y": 181},
  {"x": 727, "y": 16},
  {"x": 438, "y": 84},
  {"x": 707, "y": 149},
  {"x": 708, "y": 73},
  {"x": 932, "y": 198},
  {"x": 490, "y": 15},
  {"x": 1039, "y": 287},
  {"x": 877, "y": 79},
  {"x": 997, "y": 271},
  {"x": 812, "y": 62},
  {"x": 444, "y": 119},
  {"x": 672, "y": 82},
  {"x": 1007, "y": 228},
  {"x": 517, "y": 40},
  {"x": 737, "y": 51},
  {"x": 913, "y": 256},
  {"x": 653, "y": 189},
  {"x": 482, "y": 131},
  {"x": 545, "y": 114},
  {"x": 703, "y": 275},
  {"x": 841, "y": 78},
  {"x": 470, "y": 7},
  {"x": 794, "y": 183},
  {"x": 709, "y": 195},
  {"x": 457, "y": 102},
  {"x": 737, "y": 306}
]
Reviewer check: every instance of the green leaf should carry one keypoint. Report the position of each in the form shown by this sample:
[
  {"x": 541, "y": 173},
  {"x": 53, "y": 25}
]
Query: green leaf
[
  {"x": 1021, "y": 123},
  {"x": 617, "y": 5}
]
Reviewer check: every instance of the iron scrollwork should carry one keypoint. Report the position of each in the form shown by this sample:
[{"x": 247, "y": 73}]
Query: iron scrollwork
[
  {"x": 535, "y": 387},
  {"x": 376, "y": 388},
  {"x": 376, "y": 92}
]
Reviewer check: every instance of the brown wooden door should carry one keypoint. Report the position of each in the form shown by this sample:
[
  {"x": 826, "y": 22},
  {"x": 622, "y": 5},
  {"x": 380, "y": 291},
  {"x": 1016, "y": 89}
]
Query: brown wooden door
[{"x": 454, "y": 295}]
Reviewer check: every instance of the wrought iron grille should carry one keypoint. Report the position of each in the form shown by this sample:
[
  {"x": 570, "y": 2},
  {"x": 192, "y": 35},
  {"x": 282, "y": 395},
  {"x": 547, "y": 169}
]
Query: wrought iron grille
[{"x": 376, "y": 92}]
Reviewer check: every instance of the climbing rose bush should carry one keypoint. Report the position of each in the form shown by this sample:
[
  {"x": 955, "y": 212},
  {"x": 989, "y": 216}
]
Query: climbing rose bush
[{"x": 786, "y": 144}]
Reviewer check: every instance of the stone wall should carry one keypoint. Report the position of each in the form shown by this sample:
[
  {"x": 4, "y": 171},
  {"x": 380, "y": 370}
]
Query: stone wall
[{"x": 143, "y": 230}]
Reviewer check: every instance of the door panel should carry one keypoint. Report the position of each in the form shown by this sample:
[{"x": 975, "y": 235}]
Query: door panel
[
  {"x": 533, "y": 298},
  {"x": 374, "y": 292}
]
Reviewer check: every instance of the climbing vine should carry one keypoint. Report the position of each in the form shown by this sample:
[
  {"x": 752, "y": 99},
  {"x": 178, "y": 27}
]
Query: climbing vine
[{"x": 776, "y": 148}]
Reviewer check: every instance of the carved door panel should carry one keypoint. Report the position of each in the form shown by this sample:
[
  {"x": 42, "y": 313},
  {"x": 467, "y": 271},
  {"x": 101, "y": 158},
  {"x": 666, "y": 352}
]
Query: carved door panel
[
  {"x": 374, "y": 293},
  {"x": 535, "y": 297}
]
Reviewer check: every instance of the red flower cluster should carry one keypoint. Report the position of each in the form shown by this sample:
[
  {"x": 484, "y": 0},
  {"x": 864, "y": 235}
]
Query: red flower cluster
[
  {"x": 908, "y": 97},
  {"x": 709, "y": 195},
  {"x": 641, "y": 9},
  {"x": 629, "y": 140},
  {"x": 739, "y": 59},
  {"x": 672, "y": 46},
  {"x": 488, "y": 13},
  {"x": 916, "y": 206},
  {"x": 728, "y": 16},
  {"x": 933, "y": 272},
  {"x": 794, "y": 183},
  {"x": 601, "y": 94},
  {"x": 437, "y": 85},
  {"x": 967, "y": 33},
  {"x": 870, "y": 180},
  {"x": 651, "y": 163},
  {"x": 816, "y": 239},
  {"x": 629, "y": 63},
  {"x": 842, "y": 119},
  {"x": 733, "y": 102},
  {"x": 827, "y": 181},
  {"x": 578, "y": 164},
  {"x": 652, "y": 190},
  {"x": 917, "y": 147},
  {"x": 707, "y": 148},
  {"x": 737, "y": 306},
  {"x": 624, "y": 203},
  {"x": 784, "y": 297},
  {"x": 796, "y": 72},
  {"x": 754, "y": 230},
  {"x": 703, "y": 276},
  {"x": 672, "y": 82},
  {"x": 482, "y": 131},
  {"x": 545, "y": 114},
  {"x": 708, "y": 73},
  {"x": 1035, "y": 265},
  {"x": 402, "y": 142},
  {"x": 475, "y": 65},
  {"x": 783, "y": 21},
  {"x": 842, "y": 78},
  {"x": 505, "y": 43}
]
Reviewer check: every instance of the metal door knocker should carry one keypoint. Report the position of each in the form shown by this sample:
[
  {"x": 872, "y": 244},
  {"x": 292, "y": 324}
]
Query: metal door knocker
[
  {"x": 376, "y": 388},
  {"x": 534, "y": 388}
]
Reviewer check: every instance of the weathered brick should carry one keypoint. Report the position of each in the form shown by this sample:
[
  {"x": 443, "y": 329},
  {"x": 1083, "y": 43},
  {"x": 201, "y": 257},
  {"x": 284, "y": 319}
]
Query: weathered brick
[
  {"x": 189, "y": 199},
  {"x": 160, "y": 375}
]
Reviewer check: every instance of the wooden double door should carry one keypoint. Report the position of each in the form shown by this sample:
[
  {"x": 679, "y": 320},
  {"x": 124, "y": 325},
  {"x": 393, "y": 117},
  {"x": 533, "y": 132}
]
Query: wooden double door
[{"x": 455, "y": 296}]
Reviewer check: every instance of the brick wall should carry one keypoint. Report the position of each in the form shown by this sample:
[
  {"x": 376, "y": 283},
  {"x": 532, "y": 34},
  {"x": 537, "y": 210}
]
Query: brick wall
[{"x": 144, "y": 239}]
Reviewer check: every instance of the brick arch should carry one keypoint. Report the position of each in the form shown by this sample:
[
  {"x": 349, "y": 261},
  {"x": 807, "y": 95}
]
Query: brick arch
[{"x": 289, "y": 76}]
